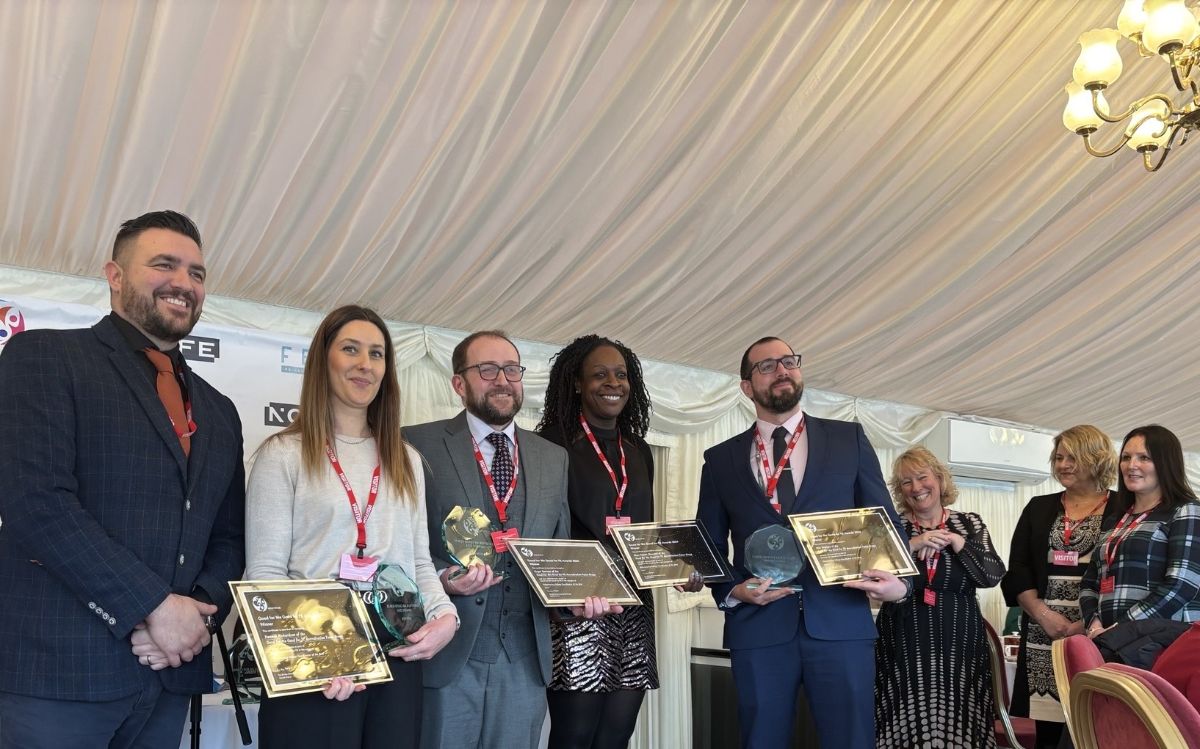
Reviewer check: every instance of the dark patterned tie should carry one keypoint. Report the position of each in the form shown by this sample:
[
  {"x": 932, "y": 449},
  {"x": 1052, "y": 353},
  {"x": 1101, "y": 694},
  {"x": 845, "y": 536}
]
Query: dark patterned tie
[
  {"x": 502, "y": 465},
  {"x": 785, "y": 490},
  {"x": 169, "y": 392}
]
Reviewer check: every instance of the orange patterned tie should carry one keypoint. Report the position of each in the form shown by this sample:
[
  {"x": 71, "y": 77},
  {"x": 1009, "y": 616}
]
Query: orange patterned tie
[{"x": 171, "y": 396}]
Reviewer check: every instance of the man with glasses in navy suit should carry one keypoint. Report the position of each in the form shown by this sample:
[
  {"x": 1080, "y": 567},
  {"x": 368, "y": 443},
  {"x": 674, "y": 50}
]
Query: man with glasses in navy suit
[{"x": 823, "y": 638}]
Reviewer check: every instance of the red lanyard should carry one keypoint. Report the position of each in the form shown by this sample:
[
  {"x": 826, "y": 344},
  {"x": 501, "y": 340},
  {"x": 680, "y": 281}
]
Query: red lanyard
[
  {"x": 607, "y": 466},
  {"x": 1117, "y": 538},
  {"x": 1067, "y": 527},
  {"x": 773, "y": 480},
  {"x": 931, "y": 561},
  {"x": 360, "y": 515},
  {"x": 501, "y": 504}
]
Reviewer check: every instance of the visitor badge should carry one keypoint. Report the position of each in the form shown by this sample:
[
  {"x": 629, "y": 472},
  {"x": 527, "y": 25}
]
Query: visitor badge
[
  {"x": 500, "y": 539},
  {"x": 1064, "y": 558},
  {"x": 612, "y": 520},
  {"x": 361, "y": 570},
  {"x": 1108, "y": 584},
  {"x": 930, "y": 597}
]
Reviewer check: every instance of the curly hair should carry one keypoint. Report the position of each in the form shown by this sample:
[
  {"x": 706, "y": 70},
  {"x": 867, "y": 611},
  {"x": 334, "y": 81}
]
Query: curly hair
[{"x": 563, "y": 400}]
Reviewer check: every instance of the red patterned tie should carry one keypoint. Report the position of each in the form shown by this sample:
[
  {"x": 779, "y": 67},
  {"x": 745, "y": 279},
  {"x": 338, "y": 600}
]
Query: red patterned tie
[{"x": 171, "y": 396}]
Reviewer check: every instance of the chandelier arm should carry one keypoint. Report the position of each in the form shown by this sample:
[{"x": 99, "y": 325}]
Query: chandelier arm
[
  {"x": 1132, "y": 107},
  {"x": 1175, "y": 73},
  {"x": 1087, "y": 143},
  {"x": 1166, "y": 150}
]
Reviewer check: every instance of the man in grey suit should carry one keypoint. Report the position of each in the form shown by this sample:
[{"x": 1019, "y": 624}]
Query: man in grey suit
[{"x": 487, "y": 688}]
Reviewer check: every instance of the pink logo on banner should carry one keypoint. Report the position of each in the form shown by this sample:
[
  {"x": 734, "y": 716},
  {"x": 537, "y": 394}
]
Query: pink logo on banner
[{"x": 11, "y": 323}]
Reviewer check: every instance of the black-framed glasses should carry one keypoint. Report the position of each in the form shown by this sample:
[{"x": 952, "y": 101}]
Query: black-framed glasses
[
  {"x": 768, "y": 366},
  {"x": 490, "y": 371}
]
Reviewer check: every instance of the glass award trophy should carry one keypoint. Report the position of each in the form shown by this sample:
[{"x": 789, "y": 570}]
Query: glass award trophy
[
  {"x": 396, "y": 605},
  {"x": 467, "y": 534},
  {"x": 773, "y": 552}
]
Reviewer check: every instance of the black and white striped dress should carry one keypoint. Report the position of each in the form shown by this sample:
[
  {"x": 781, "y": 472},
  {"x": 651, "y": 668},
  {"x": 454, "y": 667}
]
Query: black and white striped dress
[{"x": 932, "y": 675}]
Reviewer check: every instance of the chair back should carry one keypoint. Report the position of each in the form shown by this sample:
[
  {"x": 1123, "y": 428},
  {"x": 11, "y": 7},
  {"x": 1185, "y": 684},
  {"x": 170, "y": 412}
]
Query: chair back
[
  {"x": 1005, "y": 731},
  {"x": 1121, "y": 707},
  {"x": 1070, "y": 656}
]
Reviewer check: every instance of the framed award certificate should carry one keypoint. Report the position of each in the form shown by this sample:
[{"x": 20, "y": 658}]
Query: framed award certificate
[
  {"x": 841, "y": 544},
  {"x": 305, "y": 632},
  {"x": 660, "y": 555},
  {"x": 563, "y": 572}
]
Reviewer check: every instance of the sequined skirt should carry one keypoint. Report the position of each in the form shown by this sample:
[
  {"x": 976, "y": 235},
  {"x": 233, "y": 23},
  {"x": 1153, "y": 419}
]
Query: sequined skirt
[{"x": 606, "y": 654}]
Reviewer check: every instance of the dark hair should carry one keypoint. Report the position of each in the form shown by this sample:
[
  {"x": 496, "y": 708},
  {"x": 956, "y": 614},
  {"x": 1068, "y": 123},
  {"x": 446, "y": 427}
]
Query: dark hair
[
  {"x": 746, "y": 363},
  {"x": 564, "y": 402},
  {"x": 176, "y": 222},
  {"x": 314, "y": 420},
  {"x": 1167, "y": 454},
  {"x": 458, "y": 359}
]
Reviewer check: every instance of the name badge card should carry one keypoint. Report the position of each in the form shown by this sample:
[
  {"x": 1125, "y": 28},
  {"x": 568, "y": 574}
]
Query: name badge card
[
  {"x": 500, "y": 539},
  {"x": 1064, "y": 558}
]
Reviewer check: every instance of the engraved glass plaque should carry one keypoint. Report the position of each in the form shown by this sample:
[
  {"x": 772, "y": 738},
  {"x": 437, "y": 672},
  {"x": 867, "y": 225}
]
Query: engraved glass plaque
[
  {"x": 772, "y": 552},
  {"x": 467, "y": 534}
]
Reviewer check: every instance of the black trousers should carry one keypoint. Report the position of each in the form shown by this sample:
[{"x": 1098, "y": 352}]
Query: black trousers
[{"x": 382, "y": 716}]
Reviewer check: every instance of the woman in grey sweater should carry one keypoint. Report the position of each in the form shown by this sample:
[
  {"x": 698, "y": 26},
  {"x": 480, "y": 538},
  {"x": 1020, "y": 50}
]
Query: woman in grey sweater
[{"x": 339, "y": 490}]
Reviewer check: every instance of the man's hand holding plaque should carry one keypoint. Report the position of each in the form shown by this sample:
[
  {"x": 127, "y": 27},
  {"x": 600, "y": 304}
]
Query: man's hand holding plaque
[{"x": 774, "y": 558}]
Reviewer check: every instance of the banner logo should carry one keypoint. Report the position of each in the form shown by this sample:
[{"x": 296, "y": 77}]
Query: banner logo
[
  {"x": 292, "y": 358},
  {"x": 11, "y": 322},
  {"x": 199, "y": 348},
  {"x": 280, "y": 414}
]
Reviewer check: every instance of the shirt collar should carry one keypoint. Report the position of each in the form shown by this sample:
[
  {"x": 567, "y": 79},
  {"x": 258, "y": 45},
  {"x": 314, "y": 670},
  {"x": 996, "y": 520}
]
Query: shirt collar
[
  {"x": 137, "y": 340},
  {"x": 767, "y": 429},
  {"x": 481, "y": 430}
]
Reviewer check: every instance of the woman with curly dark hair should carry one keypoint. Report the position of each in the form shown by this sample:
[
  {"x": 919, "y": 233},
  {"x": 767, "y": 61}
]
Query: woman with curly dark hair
[{"x": 598, "y": 409}]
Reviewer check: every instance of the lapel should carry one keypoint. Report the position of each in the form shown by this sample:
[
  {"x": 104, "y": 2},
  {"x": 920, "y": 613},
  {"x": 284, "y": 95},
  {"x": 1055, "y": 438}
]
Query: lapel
[
  {"x": 128, "y": 368},
  {"x": 742, "y": 451},
  {"x": 204, "y": 415},
  {"x": 462, "y": 455},
  {"x": 818, "y": 448},
  {"x": 531, "y": 474}
]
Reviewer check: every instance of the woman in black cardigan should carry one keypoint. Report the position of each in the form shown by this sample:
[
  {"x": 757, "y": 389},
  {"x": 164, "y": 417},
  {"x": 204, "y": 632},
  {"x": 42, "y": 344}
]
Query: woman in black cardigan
[{"x": 1051, "y": 547}]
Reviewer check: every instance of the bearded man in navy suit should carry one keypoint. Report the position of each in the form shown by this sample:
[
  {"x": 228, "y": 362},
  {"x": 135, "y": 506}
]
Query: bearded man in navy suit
[
  {"x": 122, "y": 501},
  {"x": 823, "y": 638}
]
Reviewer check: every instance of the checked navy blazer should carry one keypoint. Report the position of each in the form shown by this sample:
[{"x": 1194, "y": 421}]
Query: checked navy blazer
[{"x": 102, "y": 515}]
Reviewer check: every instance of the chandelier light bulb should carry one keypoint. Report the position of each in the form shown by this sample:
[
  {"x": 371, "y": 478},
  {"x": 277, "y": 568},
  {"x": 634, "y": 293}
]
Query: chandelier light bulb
[
  {"x": 1132, "y": 19},
  {"x": 1080, "y": 115},
  {"x": 1168, "y": 24},
  {"x": 1099, "y": 62},
  {"x": 1148, "y": 129}
]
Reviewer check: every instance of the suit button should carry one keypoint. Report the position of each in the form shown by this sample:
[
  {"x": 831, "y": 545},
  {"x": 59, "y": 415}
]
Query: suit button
[
  {"x": 507, "y": 588},
  {"x": 92, "y": 605},
  {"x": 504, "y": 612},
  {"x": 479, "y": 600},
  {"x": 187, "y": 505},
  {"x": 112, "y": 621},
  {"x": 180, "y": 560},
  {"x": 503, "y": 635}
]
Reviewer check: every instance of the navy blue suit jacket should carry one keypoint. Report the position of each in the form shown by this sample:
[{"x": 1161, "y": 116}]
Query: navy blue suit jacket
[
  {"x": 842, "y": 472},
  {"x": 102, "y": 514}
]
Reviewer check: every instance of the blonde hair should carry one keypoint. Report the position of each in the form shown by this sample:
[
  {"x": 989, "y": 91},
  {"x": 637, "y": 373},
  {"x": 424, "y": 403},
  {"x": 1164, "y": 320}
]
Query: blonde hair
[
  {"x": 920, "y": 457},
  {"x": 1093, "y": 453}
]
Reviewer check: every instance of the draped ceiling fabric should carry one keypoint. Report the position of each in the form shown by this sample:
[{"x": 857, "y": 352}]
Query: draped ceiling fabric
[{"x": 886, "y": 184}]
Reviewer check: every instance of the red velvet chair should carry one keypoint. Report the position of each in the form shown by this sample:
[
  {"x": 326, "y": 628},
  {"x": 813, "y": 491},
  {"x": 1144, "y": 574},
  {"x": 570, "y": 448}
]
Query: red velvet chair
[
  {"x": 1070, "y": 656},
  {"x": 1120, "y": 707},
  {"x": 1011, "y": 732}
]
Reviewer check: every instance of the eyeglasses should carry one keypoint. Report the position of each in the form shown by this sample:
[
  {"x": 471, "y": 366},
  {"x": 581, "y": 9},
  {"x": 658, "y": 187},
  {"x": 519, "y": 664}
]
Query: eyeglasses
[
  {"x": 768, "y": 366},
  {"x": 489, "y": 371}
]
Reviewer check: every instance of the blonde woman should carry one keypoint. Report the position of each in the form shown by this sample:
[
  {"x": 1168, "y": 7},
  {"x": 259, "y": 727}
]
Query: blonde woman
[
  {"x": 932, "y": 684},
  {"x": 1051, "y": 547}
]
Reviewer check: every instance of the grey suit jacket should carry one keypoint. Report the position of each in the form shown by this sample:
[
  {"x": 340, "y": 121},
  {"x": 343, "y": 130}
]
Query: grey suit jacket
[{"x": 452, "y": 478}]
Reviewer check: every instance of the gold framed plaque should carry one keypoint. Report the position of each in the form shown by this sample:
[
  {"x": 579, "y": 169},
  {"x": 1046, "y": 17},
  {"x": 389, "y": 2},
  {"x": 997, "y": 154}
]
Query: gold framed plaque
[
  {"x": 563, "y": 572},
  {"x": 660, "y": 555},
  {"x": 842, "y": 543},
  {"x": 305, "y": 632}
]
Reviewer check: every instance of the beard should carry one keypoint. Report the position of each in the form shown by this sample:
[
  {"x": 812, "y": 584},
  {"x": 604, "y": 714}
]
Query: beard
[
  {"x": 780, "y": 402},
  {"x": 488, "y": 412},
  {"x": 143, "y": 312}
]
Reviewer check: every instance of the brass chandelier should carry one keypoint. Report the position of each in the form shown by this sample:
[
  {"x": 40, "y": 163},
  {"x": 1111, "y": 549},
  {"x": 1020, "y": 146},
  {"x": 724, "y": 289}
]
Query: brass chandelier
[{"x": 1164, "y": 28}]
